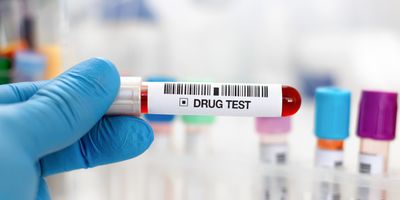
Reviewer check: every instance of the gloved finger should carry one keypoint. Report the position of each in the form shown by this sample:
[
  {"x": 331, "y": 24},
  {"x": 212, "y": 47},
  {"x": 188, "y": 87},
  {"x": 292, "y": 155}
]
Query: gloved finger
[
  {"x": 43, "y": 193},
  {"x": 112, "y": 139},
  {"x": 62, "y": 111},
  {"x": 19, "y": 92}
]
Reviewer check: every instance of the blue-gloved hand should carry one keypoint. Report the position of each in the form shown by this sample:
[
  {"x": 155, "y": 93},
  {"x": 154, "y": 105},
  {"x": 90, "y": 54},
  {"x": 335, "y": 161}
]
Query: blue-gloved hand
[{"x": 56, "y": 126}]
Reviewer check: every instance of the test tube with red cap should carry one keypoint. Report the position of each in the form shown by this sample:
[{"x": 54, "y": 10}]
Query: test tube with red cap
[
  {"x": 195, "y": 98},
  {"x": 376, "y": 129},
  {"x": 273, "y": 132}
]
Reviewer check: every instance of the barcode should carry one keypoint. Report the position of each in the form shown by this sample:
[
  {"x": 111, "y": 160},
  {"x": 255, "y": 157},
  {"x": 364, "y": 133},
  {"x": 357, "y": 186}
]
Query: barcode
[
  {"x": 365, "y": 168},
  {"x": 244, "y": 90},
  {"x": 281, "y": 158},
  {"x": 338, "y": 164},
  {"x": 209, "y": 90},
  {"x": 187, "y": 89}
]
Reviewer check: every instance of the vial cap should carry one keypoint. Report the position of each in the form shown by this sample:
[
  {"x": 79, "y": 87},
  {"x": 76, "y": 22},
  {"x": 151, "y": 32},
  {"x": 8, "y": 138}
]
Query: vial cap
[
  {"x": 5, "y": 66},
  {"x": 332, "y": 113},
  {"x": 157, "y": 117},
  {"x": 30, "y": 62},
  {"x": 377, "y": 115},
  {"x": 128, "y": 100},
  {"x": 273, "y": 125},
  {"x": 198, "y": 120}
]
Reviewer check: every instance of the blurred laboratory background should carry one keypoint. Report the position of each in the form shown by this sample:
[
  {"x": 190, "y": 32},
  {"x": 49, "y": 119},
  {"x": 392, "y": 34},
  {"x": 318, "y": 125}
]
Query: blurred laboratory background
[{"x": 354, "y": 45}]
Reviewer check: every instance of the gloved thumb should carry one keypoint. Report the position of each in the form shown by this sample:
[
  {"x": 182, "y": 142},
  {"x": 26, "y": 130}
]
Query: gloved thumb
[{"x": 66, "y": 108}]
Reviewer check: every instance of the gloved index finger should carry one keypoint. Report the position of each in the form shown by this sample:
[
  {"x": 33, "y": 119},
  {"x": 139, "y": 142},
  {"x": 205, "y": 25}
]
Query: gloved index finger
[
  {"x": 64, "y": 110},
  {"x": 19, "y": 92}
]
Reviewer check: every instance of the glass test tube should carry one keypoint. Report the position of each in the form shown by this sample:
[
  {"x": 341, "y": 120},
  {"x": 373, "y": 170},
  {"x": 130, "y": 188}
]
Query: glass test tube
[
  {"x": 332, "y": 116},
  {"x": 273, "y": 132},
  {"x": 376, "y": 129},
  {"x": 193, "y": 98}
]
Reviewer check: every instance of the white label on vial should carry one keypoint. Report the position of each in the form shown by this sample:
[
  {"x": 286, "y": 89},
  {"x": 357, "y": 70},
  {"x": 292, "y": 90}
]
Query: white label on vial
[
  {"x": 274, "y": 153},
  {"x": 328, "y": 158},
  {"x": 371, "y": 164},
  {"x": 215, "y": 99}
]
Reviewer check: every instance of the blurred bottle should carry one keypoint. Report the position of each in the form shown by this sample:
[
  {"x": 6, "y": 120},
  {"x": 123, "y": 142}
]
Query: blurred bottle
[
  {"x": 10, "y": 40},
  {"x": 28, "y": 64},
  {"x": 52, "y": 52}
]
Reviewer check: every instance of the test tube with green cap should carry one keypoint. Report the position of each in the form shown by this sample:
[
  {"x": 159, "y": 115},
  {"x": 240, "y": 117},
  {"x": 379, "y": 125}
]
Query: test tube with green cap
[{"x": 197, "y": 130}]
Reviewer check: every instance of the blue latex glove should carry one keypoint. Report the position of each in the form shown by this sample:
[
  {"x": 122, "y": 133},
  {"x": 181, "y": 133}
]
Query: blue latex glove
[{"x": 56, "y": 126}]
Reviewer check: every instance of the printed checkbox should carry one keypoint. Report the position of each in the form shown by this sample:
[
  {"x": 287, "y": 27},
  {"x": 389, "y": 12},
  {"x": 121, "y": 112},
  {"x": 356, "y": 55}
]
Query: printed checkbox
[{"x": 183, "y": 102}]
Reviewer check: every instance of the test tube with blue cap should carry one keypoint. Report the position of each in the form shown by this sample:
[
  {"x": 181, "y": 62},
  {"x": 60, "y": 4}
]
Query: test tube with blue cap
[
  {"x": 161, "y": 124},
  {"x": 332, "y": 116}
]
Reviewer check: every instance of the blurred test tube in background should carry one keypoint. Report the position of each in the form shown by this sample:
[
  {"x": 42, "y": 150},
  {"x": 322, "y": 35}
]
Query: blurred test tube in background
[
  {"x": 160, "y": 183},
  {"x": 273, "y": 133},
  {"x": 332, "y": 118},
  {"x": 274, "y": 149},
  {"x": 197, "y": 134}
]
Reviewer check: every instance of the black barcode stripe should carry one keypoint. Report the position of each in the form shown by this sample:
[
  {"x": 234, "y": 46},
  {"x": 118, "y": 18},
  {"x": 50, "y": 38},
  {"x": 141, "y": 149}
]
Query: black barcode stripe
[
  {"x": 187, "y": 89},
  {"x": 244, "y": 90},
  {"x": 225, "y": 90},
  {"x": 365, "y": 168}
]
